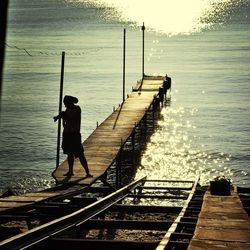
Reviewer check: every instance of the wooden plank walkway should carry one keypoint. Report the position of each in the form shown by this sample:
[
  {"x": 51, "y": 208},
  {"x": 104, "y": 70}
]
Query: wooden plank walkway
[
  {"x": 27, "y": 200},
  {"x": 223, "y": 224},
  {"x": 103, "y": 145}
]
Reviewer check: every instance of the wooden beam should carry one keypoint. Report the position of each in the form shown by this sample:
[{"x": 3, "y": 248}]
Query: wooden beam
[
  {"x": 73, "y": 244},
  {"x": 144, "y": 209},
  {"x": 166, "y": 188},
  {"x": 126, "y": 224},
  {"x": 164, "y": 197}
]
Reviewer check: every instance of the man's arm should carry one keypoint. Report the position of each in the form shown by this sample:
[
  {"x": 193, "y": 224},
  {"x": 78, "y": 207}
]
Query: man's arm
[{"x": 61, "y": 115}]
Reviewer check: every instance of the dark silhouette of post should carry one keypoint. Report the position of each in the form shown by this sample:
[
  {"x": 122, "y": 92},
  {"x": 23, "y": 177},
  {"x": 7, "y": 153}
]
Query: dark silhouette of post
[
  {"x": 3, "y": 27},
  {"x": 143, "y": 31},
  {"x": 60, "y": 109},
  {"x": 124, "y": 57}
]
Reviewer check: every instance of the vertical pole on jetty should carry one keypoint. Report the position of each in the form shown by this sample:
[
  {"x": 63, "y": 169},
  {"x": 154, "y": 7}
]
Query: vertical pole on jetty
[
  {"x": 60, "y": 110},
  {"x": 3, "y": 27},
  {"x": 124, "y": 55},
  {"x": 143, "y": 31}
]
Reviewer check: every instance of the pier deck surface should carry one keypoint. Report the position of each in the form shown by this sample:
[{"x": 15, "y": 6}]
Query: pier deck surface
[
  {"x": 103, "y": 145},
  {"x": 222, "y": 224}
]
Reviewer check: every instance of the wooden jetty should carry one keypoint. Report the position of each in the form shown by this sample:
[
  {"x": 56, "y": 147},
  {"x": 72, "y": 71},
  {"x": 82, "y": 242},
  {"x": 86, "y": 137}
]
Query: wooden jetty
[
  {"x": 102, "y": 148},
  {"x": 124, "y": 131},
  {"x": 125, "y": 127},
  {"x": 222, "y": 224}
]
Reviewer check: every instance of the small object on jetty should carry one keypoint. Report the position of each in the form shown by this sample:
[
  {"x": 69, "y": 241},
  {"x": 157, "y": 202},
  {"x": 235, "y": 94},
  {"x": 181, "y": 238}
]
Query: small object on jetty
[{"x": 220, "y": 186}]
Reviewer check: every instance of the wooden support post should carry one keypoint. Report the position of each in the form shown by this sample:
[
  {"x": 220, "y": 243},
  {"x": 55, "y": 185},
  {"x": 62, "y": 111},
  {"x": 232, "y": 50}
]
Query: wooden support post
[
  {"x": 133, "y": 148},
  {"x": 153, "y": 114},
  {"x": 166, "y": 85},
  {"x": 60, "y": 109},
  {"x": 124, "y": 57},
  {"x": 140, "y": 131},
  {"x": 143, "y": 36},
  {"x": 3, "y": 28},
  {"x": 118, "y": 169},
  {"x": 157, "y": 106},
  {"x": 146, "y": 123},
  {"x": 161, "y": 94},
  {"x": 29, "y": 225},
  {"x": 119, "y": 165}
]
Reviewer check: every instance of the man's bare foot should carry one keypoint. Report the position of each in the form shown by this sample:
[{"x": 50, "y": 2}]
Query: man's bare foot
[{"x": 68, "y": 174}]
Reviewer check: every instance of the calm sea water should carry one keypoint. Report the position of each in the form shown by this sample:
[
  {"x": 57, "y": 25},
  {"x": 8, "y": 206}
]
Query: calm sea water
[{"x": 205, "y": 49}]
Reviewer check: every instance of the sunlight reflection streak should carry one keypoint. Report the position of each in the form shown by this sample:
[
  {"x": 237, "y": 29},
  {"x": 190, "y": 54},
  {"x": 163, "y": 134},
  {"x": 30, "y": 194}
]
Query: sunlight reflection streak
[
  {"x": 174, "y": 151},
  {"x": 167, "y": 16}
]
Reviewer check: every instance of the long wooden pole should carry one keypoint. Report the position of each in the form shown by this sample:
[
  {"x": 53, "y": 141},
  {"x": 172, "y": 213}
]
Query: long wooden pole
[
  {"x": 60, "y": 110},
  {"x": 3, "y": 28},
  {"x": 143, "y": 30},
  {"x": 124, "y": 65}
]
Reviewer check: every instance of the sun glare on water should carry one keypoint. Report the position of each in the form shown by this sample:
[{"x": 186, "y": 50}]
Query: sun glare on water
[
  {"x": 166, "y": 16},
  {"x": 175, "y": 152}
]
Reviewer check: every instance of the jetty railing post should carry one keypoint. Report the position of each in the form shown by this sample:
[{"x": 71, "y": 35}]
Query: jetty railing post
[
  {"x": 133, "y": 148},
  {"x": 3, "y": 27},
  {"x": 124, "y": 58},
  {"x": 60, "y": 109},
  {"x": 119, "y": 166},
  {"x": 153, "y": 114},
  {"x": 145, "y": 124},
  {"x": 143, "y": 36},
  {"x": 118, "y": 170}
]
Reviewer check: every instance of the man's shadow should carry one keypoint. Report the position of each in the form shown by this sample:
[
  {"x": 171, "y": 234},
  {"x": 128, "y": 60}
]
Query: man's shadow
[{"x": 68, "y": 179}]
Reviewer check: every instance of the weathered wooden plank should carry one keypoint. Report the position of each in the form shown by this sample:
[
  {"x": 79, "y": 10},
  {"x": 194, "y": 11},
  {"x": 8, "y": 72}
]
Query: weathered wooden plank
[
  {"x": 42, "y": 194},
  {"x": 15, "y": 198},
  {"x": 145, "y": 209},
  {"x": 218, "y": 223},
  {"x": 225, "y": 216},
  {"x": 101, "y": 244},
  {"x": 128, "y": 224},
  {"x": 224, "y": 234},
  {"x": 222, "y": 223},
  {"x": 10, "y": 204},
  {"x": 197, "y": 244},
  {"x": 144, "y": 85}
]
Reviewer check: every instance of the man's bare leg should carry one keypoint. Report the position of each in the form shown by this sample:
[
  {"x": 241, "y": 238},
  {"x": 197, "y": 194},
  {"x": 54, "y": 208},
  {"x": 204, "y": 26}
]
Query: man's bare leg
[
  {"x": 71, "y": 164},
  {"x": 84, "y": 163}
]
